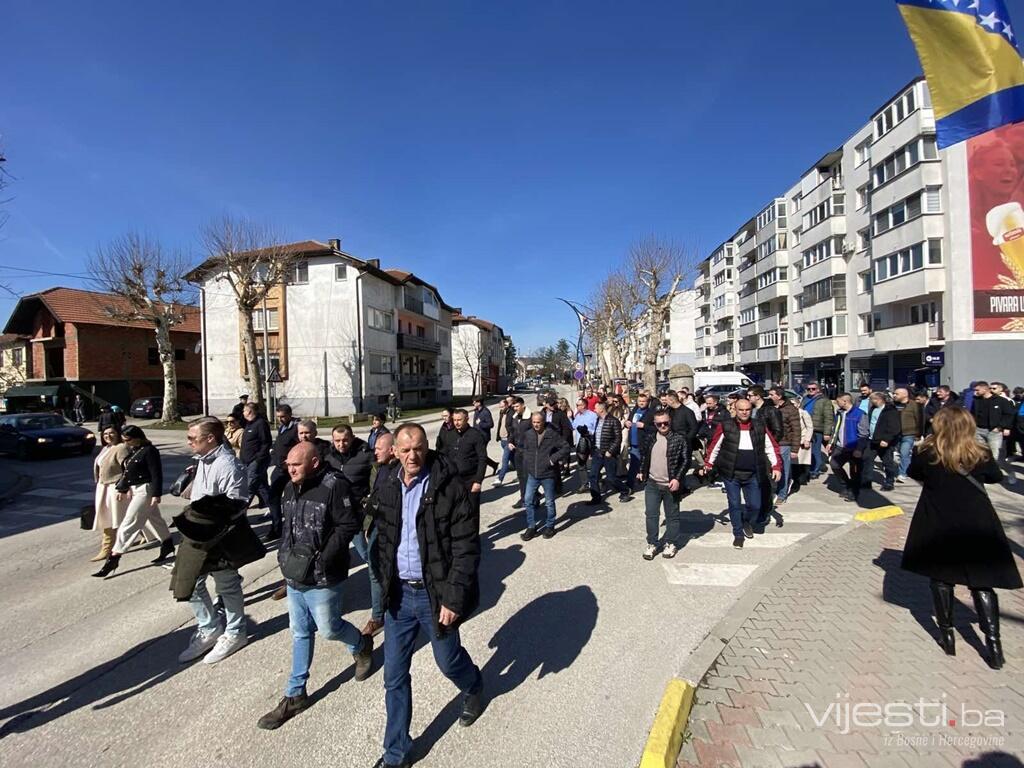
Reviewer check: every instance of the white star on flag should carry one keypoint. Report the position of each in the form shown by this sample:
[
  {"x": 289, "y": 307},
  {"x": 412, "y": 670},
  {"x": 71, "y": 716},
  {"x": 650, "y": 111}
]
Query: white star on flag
[
  {"x": 989, "y": 21},
  {"x": 1008, "y": 31},
  {"x": 974, "y": 6}
]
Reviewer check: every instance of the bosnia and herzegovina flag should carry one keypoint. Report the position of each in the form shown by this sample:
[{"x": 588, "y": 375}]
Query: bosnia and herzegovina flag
[{"x": 968, "y": 51}]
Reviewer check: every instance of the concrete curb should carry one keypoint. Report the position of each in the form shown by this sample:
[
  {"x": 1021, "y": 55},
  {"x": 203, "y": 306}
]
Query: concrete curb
[
  {"x": 676, "y": 704},
  {"x": 666, "y": 736}
]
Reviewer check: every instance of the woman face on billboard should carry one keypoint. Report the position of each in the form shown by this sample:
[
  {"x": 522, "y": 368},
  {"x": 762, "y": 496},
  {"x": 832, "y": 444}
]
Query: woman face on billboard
[{"x": 995, "y": 168}]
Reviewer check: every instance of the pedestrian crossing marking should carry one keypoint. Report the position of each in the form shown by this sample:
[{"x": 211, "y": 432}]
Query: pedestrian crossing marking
[
  {"x": 707, "y": 574},
  {"x": 766, "y": 541}
]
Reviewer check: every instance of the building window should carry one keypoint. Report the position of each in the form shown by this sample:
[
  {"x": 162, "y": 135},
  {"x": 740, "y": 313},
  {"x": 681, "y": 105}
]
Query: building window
[
  {"x": 865, "y": 282},
  {"x": 768, "y": 339},
  {"x": 382, "y": 363},
  {"x": 822, "y": 329},
  {"x": 933, "y": 200},
  {"x": 862, "y": 152},
  {"x": 924, "y": 313},
  {"x": 863, "y": 196},
  {"x": 17, "y": 357},
  {"x": 301, "y": 274},
  {"x": 894, "y": 113},
  {"x": 152, "y": 357},
  {"x": 179, "y": 355},
  {"x": 898, "y": 214},
  {"x": 273, "y": 314},
  {"x": 903, "y": 158},
  {"x": 381, "y": 321},
  {"x": 833, "y": 246},
  {"x": 748, "y": 316},
  {"x": 935, "y": 251},
  {"x": 908, "y": 260},
  {"x": 341, "y": 272}
]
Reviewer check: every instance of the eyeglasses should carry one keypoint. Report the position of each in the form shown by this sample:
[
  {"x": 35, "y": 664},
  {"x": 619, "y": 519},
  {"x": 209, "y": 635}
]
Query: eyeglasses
[{"x": 662, "y": 423}]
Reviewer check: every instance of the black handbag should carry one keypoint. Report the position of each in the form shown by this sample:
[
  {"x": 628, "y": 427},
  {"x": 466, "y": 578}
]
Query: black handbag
[
  {"x": 298, "y": 564},
  {"x": 184, "y": 480},
  {"x": 87, "y": 517}
]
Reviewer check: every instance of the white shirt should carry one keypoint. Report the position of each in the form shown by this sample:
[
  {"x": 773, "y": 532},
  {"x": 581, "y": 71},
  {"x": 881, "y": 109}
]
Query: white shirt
[{"x": 219, "y": 473}]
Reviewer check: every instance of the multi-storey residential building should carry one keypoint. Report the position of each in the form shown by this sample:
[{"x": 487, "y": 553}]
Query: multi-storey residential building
[
  {"x": 478, "y": 357},
  {"x": 342, "y": 335},
  {"x": 860, "y": 271},
  {"x": 678, "y": 345}
]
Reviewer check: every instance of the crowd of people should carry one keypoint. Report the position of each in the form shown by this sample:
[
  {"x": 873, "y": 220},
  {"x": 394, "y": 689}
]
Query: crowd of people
[{"x": 412, "y": 513}]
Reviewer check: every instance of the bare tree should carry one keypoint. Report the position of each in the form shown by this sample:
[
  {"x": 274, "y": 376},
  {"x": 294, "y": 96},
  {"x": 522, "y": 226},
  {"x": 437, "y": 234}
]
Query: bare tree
[
  {"x": 656, "y": 269},
  {"x": 251, "y": 258},
  {"x": 466, "y": 354},
  {"x": 149, "y": 287}
]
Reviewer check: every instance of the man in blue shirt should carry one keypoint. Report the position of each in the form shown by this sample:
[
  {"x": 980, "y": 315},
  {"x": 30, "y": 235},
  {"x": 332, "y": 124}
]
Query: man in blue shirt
[{"x": 428, "y": 553}]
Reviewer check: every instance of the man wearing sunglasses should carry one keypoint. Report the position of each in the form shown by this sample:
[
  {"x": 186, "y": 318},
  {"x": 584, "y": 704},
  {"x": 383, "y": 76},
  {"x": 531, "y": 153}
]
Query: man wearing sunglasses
[
  {"x": 823, "y": 417},
  {"x": 665, "y": 460}
]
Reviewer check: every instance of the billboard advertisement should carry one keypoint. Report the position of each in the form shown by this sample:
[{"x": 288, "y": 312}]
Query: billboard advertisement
[{"x": 995, "y": 170}]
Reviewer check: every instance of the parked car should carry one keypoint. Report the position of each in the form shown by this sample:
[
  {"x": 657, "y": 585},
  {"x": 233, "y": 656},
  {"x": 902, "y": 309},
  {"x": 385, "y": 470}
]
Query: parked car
[
  {"x": 153, "y": 408},
  {"x": 33, "y": 434}
]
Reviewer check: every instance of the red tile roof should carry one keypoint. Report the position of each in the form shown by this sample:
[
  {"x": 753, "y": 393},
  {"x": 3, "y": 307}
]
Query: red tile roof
[
  {"x": 479, "y": 322},
  {"x": 73, "y": 305}
]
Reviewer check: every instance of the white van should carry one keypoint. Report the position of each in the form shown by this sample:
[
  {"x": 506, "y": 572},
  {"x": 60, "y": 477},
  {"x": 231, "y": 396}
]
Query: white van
[{"x": 733, "y": 379}]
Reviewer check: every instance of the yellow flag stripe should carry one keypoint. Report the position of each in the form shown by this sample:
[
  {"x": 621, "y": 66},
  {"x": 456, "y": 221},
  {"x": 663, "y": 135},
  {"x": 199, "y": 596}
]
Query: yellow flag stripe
[{"x": 963, "y": 62}]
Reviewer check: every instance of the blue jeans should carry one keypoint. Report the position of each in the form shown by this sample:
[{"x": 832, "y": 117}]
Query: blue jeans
[
  {"x": 256, "y": 479},
  {"x": 656, "y": 497},
  {"x": 787, "y": 459},
  {"x": 366, "y": 546},
  {"x": 408, "y": 612},
  {"x": 906, "y": 448},
  {"x": 532, "y": 484},
  {"x": 229, "y": 588},
  {"x": 312, "y": 610},
  {"x": 740, "y": 512},
  {"x": 611, "y": 473},
  {"x": 633, "y": 469},
  {"x": 817, "y": 460},
  {"x": 506, "y": 455}
]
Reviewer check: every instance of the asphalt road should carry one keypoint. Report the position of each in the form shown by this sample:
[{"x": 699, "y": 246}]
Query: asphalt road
[{"x": 576, "y": 636}]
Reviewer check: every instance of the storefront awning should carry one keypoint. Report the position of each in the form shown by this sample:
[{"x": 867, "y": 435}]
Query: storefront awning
[{"x": 31, "y": 391}]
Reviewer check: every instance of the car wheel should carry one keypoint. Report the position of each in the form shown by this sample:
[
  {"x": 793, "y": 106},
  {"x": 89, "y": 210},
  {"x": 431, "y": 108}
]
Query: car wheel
[
  {"x": 157, "y": 415},
  {"x": 22, "y": 453}
]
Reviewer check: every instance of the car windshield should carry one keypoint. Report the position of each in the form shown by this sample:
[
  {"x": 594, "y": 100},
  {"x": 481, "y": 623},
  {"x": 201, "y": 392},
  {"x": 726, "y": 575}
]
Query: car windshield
[{"x": 41, "y": 421}]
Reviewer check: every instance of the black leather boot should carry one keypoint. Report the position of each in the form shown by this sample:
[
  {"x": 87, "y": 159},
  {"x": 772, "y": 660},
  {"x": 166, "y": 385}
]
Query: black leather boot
[
  {"x": 166, "y": 550},
  {"x": 942, "y": 595},
  {"x": 108, "y": 567},
  {"x": 987, "y": 605}
]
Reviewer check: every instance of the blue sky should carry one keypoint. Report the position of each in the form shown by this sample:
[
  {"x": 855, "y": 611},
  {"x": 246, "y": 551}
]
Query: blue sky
[{"x": 508, "y": 153}]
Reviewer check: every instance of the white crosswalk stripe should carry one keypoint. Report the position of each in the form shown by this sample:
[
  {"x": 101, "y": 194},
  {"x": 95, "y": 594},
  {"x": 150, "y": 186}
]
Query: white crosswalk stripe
[
  {"x": 766, "y": 541},
  {"x": 708, "y": 574}
]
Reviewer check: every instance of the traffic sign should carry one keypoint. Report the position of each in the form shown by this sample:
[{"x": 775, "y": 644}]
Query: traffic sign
[
  {"x": 275, "y": 376},
  {"x": 578, "y": 375}
]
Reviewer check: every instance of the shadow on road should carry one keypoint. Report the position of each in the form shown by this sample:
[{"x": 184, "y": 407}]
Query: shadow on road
[{"x": 545, "y": 636}]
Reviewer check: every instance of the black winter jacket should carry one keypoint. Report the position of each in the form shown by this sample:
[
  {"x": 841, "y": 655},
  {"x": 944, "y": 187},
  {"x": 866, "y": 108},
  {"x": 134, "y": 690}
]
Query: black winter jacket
[
  {"x": 678, "y": 454},
  {"x": 611, "y": 436},
  {"x": 772, "y": 419},
  {"x": 448, "y": 532},
  {"x": 684, "y": 422},
  {"x": 993, "y": 412},
  {"x": 283, "y": 443},
  {"x": 888, "y": 429},
  {"x": 468, "y": 454},
  {"x": 320, "y": 515},
  {"x": 445, "y": 440},
  {"x": 538, "y": 457},
  {"x": 483, "y": 421},
  {"x": 561, "y": 425},
  {"x": 143, "y": 465},
  {"x": 256, "y": 440},
  {"x": 355, "y": 465}
]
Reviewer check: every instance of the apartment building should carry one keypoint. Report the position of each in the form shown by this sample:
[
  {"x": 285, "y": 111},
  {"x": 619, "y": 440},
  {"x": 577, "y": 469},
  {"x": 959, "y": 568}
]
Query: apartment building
[
  {"x": 679, "y": 335},
  {"x": 342, "y": 334},
  {"x": 859, "y": 271},
  {"x": 478, "y": 357}
]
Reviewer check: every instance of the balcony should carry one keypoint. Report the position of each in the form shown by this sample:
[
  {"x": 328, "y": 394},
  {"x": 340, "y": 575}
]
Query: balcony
[
  {"x": 413, "y": 304},
  {"x": 418, "y": 343},
  {"x": 910, "y": 285},
  {"x": 773, "y": 291},
  {"x": 409, "y": 381},
  {"x": 909, "y": 337}
]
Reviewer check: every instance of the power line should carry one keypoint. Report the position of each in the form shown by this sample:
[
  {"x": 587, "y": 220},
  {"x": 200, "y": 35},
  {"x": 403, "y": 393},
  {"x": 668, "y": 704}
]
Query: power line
[{"x": 54, "y": 274}]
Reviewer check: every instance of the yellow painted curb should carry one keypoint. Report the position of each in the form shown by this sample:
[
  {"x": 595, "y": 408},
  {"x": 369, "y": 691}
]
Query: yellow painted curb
[
  {"x": 870, "y": 515},
  {"x": 666, "y": 737}
]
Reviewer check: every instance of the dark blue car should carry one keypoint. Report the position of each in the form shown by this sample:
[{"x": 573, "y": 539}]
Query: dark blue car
[{"x": 27, "y": 435}]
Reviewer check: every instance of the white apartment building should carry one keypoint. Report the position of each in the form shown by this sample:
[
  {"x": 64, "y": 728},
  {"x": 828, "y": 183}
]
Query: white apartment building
[
  {"x": 858, "y": 270},
  {"x": 478, "y": 357},
  {"x": 678, "y": 345},
  {"x": 342, "y": 334}
]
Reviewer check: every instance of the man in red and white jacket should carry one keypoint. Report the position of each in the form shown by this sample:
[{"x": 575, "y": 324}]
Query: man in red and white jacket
[{"x": 747, "y": 459}]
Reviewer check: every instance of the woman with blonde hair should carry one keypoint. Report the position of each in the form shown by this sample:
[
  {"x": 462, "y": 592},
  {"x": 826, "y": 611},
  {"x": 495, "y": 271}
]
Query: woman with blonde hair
[
  {"x": 955, "y": 535},
  {"x": 106, "y": 471}
]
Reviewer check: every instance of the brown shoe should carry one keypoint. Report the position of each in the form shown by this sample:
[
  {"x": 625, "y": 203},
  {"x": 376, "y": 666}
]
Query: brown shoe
[
  {"x": 280, "y": 593},
  {"x": 373, "y": 627},
  {"x": 364, "y": 659}
]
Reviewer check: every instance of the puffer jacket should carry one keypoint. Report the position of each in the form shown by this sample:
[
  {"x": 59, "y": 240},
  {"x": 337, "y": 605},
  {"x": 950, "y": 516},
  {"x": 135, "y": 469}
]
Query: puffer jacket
[
  {"x": 678, "y": 454},
  {"x": 823, "y": 415},
  {"x": 772, "y": 419},
  {"x": 448, "y": 532},
  {"x": 320, "y": 516},
  {"x": 790, "y": 426},
  {"x": 538, "y": 456}
]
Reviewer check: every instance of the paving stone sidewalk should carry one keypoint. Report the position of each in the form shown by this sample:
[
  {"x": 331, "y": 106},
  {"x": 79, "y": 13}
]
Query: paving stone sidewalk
[{"x": 846, "y": 627}]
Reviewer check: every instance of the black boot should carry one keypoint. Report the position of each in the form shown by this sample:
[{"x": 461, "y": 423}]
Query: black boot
[
  {"x": 942, "y": 595},
  {"x": 273, "y": 534},
  {"x": 108, "y": 567},
  {"x": 987, "y": 605},
  {"x": 166, "y": 550}
]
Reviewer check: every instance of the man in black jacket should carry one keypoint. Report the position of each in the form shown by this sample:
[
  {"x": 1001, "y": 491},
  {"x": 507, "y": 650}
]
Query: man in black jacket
[
  {"x": 559, "y": 422},
  {"x": 542, "y": 450},
  {"x": 519, "y": 425},
  {"x": 238, "y": 412},
  {"x": 255, "y": 453},
  {"x": 468, "y": 455},
  {"x": 994, "y": 417},
  {"x": 320, "y": 520},
  {"x": 351, "y": 456},
  {"x": 483, "y": 421},
  {"x": 884, "y": 436},
  {"x": 666, "y": 458},
  {"x": 428, "y": 551},
  {"x": 307, "y": 433},
  {"x": 607, "y": 446},
  {"x": 287, "y": 438},
  {"x": 765, "y": 409}
]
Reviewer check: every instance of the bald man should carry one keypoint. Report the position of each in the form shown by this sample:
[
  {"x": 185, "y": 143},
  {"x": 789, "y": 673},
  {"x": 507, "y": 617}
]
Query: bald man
[{"x": 319, "y": 521}]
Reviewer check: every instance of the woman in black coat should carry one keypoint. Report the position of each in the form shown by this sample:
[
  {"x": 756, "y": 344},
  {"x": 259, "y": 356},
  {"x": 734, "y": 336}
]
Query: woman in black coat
[{"x": 955, "y": 536}]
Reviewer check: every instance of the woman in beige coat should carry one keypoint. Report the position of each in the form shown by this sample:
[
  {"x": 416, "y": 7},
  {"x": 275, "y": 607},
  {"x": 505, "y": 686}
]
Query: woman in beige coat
[
  {"x": 802, "y": 471},
  {"x": 106, "y": 471}
]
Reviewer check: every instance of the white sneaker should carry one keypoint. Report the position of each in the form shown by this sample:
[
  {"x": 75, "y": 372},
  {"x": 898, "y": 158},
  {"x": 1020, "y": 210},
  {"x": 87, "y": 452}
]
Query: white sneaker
[
  {"x": 650, "y": 551},
  {"x": 497, "y": 482},
  {"x": 226, "y": 645},
  {"x": 199, "y": 645},
  {"x": 901, "y": 478},
  {"x": 669, "y": 550}
]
